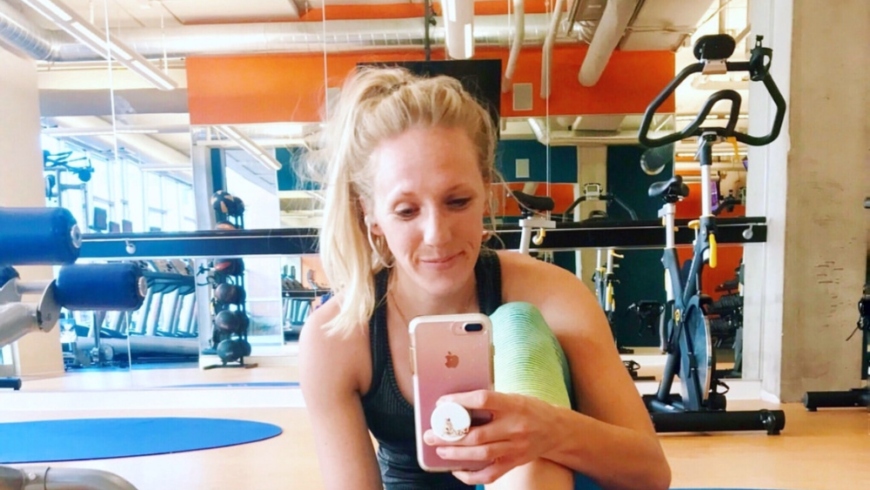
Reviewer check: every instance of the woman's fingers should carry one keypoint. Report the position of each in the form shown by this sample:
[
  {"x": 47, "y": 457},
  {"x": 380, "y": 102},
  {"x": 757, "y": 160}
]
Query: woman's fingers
[
  {"x": 491, "y": 401},
  {"x": 498, "y": 430},
  {"x": 485, "y": 452}
]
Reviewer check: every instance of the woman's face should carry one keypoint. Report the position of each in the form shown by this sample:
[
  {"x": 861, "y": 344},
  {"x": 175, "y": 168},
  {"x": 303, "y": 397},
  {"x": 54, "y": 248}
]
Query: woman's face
[{"x": 429, "y": 203}]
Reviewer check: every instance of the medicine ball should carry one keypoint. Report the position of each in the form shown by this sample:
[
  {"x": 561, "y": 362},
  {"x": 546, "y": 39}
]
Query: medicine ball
[
  {"x": 229, "y": 267},
  {"x": 229, "y": 293},
  {"x": 231, "y": 322},
  {"x": 230, "y": 350}
]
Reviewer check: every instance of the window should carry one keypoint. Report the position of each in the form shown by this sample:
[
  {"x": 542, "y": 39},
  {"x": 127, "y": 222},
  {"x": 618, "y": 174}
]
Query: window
[
  {"x": 134, "y": 197},
  {"x": 147, "y": 199},
  {"x": 172, "y": 217}
]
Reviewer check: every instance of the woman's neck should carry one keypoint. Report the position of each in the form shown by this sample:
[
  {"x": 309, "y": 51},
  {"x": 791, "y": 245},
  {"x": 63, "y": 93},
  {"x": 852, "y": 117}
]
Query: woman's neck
[{"x": 413, "y": 301}]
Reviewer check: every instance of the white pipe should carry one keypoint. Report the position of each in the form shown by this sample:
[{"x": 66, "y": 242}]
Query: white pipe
[
  {"x": 459, "y": 28},
  {"x": 516, "y": 45},
  {"x": 611, "y": 27},
  {"x": 549, "y": 41}
]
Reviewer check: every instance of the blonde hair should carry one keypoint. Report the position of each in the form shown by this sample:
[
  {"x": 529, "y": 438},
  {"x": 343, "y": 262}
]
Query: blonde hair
[{"x": 377, "y": 104}]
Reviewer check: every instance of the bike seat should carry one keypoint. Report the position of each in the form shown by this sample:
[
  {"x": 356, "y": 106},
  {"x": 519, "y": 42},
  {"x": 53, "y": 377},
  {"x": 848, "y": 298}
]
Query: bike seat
[
  {"x": 646, "y": 309},
  {"x": 672, "y": 190},
  {"x": 537, "y": 203}
]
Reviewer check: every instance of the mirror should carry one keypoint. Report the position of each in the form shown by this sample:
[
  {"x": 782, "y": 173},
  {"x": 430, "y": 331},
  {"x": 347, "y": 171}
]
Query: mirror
[{"x": 145, "y": 160}]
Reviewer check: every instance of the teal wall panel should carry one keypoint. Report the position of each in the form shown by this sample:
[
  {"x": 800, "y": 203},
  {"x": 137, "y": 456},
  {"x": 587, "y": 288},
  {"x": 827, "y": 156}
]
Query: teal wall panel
[{"x": 640, "y": 273}]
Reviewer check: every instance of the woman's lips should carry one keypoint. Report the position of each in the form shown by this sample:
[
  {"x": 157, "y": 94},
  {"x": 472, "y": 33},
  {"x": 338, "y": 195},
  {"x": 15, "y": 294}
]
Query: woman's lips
[{"x": 440, "y": 262}]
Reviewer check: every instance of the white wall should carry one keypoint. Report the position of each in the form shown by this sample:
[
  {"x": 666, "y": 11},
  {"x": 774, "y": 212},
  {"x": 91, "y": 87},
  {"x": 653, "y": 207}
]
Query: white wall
[{"x": 21, "y": 185}]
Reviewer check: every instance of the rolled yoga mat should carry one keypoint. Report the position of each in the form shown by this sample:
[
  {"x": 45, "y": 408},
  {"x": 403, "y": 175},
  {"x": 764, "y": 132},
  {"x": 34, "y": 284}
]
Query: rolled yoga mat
[
  {"x": 38, "y": 236},
  {"x": 116, "y": 287},
  {"x": 87, "y": 439}
]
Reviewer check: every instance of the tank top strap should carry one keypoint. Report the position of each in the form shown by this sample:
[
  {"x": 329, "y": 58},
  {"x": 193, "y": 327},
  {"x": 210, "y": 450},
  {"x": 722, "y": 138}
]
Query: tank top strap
[
  {"x": 378, "y": 340},
  {"x": 488, "y": 275}
]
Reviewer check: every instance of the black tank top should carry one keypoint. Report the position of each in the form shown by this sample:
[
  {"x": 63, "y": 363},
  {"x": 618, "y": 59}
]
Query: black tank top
[{"x": 389, "y": 416}]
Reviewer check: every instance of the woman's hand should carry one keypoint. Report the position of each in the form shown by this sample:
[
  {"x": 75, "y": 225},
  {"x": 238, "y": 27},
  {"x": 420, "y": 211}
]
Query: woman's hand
[{"x": 522, "y": 430}]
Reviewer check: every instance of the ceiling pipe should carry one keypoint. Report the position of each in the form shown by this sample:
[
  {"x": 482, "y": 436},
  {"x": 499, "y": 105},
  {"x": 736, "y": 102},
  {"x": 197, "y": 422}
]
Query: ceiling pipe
[
  {"x": 615, "y": 18},
  {"x": 269, "y": 37},
  {"x": 24, "y": 35},
  {"x": 547, "y": 61},
  {"x": 459, "y": 28},
  {"x": 516, "y": 45}
]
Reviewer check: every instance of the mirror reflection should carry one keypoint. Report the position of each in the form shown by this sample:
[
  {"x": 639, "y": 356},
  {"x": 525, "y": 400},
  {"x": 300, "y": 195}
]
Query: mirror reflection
[{"x": 126, "y": 156}]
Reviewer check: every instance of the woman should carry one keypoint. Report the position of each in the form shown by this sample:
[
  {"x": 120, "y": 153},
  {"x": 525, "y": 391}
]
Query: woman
[{"x": 407, "y": 173}]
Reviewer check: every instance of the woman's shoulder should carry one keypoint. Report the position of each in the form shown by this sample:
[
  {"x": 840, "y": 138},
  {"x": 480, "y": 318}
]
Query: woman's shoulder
[{"x": 343, "y": 354}]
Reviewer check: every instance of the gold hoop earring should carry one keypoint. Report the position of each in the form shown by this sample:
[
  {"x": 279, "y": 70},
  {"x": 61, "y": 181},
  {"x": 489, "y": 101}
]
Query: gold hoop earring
[{"x": 378, "y": 256}]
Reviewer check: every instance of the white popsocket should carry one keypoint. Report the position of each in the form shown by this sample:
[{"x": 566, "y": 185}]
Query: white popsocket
[{"x": 450, "y": 421}]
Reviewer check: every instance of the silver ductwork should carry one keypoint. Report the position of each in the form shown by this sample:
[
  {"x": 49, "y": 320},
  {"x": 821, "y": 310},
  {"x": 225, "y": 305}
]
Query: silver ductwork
[
  {"x": 23, "y": 34},
  {"x": 278, "y": 37}
]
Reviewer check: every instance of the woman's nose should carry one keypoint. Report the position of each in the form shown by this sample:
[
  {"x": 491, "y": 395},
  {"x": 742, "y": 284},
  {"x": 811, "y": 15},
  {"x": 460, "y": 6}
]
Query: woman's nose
[{"x": 437, "y": 229}]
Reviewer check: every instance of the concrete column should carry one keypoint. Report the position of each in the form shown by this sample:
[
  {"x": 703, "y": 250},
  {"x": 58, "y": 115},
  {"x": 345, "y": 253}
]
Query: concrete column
[
  {"x": 22, "y": 185},
  {"x": 803, "y": 285},
  {"x": 203, "y": 188},
  {"x": 591, "y": 168}
]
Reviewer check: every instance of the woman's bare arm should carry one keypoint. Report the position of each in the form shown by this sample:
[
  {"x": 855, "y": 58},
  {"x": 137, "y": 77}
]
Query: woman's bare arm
[{"x": 329, "y": 372}]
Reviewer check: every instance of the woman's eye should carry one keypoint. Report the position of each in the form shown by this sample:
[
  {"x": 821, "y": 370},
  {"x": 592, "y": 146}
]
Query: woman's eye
[
  {"x": 460, "y": 203},
  {"x": 405, "y": 212}
]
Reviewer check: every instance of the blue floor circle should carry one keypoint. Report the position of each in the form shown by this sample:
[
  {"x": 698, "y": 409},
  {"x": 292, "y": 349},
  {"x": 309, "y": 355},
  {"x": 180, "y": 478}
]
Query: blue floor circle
[{"x": 85, "y": 439}]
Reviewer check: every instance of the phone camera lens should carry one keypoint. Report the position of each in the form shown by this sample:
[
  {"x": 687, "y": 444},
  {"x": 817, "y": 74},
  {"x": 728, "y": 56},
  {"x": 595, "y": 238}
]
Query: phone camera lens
[{"x": 473, "y": 327}]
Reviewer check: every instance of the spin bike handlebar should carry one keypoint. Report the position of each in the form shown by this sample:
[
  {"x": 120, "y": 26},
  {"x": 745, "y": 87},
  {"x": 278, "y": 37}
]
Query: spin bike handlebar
[{"x": 758, "y": 71}]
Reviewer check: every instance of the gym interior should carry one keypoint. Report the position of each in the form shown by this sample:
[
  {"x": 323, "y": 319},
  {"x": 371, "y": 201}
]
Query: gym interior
[{"x": 158, "y": 252}]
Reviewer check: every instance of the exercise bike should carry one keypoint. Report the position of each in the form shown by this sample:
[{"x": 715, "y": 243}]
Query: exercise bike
[
  {"x": 856, "y": 397},
  {"x": 687, "y": 342}
]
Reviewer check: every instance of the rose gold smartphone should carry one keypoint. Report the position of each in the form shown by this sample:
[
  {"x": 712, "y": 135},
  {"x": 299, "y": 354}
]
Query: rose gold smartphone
[{"x": 449, "y": 354}]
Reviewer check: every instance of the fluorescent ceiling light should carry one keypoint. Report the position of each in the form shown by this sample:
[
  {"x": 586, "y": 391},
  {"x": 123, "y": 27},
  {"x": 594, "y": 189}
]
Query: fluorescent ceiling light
[
  {"x": 250, "y": 147},
  {"x": 52, "y": 8},
  {"x": 109, "y": 48}
]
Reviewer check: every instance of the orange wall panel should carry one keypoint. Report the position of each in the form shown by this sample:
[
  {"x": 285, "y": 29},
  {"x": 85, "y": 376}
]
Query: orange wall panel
[{"x": 291, "y": 88}]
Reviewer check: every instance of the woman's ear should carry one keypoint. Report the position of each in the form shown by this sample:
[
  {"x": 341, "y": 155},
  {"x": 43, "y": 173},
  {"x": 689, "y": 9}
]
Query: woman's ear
[{"x": 373, "y": 226}]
